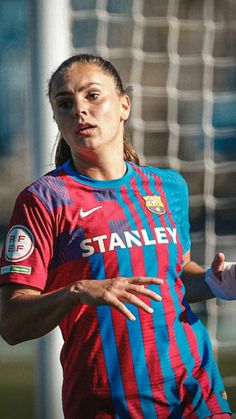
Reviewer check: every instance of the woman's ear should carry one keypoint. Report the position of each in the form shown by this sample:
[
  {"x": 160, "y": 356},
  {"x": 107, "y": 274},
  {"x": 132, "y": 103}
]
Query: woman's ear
[{"x": 125, "y": 107}]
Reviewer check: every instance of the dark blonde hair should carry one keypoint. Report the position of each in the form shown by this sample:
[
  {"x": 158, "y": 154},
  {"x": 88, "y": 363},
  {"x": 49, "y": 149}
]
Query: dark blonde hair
[{"x": 63, "y": 152}]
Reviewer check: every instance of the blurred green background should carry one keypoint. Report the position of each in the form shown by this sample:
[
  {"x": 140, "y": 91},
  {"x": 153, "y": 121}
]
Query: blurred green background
[{"x": 17, "y": 381}]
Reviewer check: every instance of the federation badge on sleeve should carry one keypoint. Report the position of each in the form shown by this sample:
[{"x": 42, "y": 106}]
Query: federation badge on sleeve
[
  {"x": 154, "y": 204},
  {"x": 19, "y": 243}
]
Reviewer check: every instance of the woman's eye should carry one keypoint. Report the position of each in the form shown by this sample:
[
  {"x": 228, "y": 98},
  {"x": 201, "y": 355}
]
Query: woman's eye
[
  {"x": 93, "y": 95},
  {"x": 65, "y": 104}
]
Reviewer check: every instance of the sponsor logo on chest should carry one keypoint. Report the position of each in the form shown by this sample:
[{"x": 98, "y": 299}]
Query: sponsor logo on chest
[{"x": 104, "y": 243}]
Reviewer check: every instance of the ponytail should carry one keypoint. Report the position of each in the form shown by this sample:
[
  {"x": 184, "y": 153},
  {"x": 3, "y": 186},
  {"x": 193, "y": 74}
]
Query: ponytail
[
  {"x": 63, "y": 152},
  {"x": 129, "y": 152}
]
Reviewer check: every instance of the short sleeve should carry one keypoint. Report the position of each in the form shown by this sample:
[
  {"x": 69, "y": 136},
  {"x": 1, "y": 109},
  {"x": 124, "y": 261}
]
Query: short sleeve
[
  {"x": 185, "y": 226},
  {"x": 28, "y": 246}
]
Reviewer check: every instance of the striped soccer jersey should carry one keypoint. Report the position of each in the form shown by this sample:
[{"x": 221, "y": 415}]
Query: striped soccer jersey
[{"x": 66, "y": 227}]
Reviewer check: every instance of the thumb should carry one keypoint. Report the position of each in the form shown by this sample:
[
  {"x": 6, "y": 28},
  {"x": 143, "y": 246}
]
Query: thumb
[{"x": 217, "y": 264}]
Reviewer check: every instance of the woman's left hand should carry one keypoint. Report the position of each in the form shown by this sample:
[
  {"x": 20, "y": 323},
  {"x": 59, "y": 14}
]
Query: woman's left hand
[
  {"x": 217, "y": 265},
  {"x": 221, "y": 278}
]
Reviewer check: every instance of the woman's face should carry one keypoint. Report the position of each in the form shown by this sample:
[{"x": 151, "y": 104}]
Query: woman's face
[{"x": 88, "y": 110}]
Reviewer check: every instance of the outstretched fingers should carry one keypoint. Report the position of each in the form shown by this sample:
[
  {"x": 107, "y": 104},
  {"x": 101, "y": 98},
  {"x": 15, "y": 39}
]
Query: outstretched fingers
[
  {"x": 131, "y": 298},
  {"x": 121, "y": 307},
  {"x": 143, "y": 280},
  {"x": 140, "y": 289},
  {"x": 127, "y": 289},
  {"x": 114, "y": 291},
  {"x": 136, "y": 301}
]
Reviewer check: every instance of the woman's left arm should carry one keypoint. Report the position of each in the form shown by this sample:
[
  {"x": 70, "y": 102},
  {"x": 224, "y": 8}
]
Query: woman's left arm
[
  {"x": 218, "y": 281},
  {"x": 193, "y": 277}
]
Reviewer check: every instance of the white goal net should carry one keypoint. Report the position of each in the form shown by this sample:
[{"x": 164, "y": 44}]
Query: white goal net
[{"x": 180, "y": 58}]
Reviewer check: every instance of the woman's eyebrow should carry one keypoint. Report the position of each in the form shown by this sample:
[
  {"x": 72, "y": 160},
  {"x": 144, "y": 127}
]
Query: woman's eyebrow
[{"x": 65, "y": 92}]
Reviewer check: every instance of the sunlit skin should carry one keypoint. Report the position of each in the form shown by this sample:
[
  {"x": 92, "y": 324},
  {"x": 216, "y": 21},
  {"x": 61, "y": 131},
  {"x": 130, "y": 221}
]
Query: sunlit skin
[{"x": 90, "y": 114}]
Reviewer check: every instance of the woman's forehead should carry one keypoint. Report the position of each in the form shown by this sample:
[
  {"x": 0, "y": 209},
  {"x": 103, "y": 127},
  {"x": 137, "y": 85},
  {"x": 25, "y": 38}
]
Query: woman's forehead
[{"x": 81, "y": 73}]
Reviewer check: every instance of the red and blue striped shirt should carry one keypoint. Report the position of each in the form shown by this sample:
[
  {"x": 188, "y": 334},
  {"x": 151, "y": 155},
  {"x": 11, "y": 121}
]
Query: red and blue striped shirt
[{"x": 66, "y": 227}]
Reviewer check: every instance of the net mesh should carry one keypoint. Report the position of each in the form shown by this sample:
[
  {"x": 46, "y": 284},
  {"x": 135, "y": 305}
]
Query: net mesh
[{"x": 180, "y": 58}]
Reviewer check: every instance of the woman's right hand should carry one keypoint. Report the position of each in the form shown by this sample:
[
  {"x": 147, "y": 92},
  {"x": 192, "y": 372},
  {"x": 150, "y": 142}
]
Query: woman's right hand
[
  {"x": 26, "y": 313},
  {"x": 115, "y": 291}
]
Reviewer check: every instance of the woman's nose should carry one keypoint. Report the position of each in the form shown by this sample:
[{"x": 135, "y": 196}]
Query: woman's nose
[{"x": 80, "y": 108}]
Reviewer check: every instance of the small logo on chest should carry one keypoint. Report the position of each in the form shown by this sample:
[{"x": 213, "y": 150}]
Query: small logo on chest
[
  {"x": 154, "y": 204},
  {"x": 84, "y": 214}
]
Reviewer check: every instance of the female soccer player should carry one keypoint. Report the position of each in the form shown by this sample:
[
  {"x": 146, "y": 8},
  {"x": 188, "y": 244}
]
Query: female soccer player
[{"x": 97, "y": 246}]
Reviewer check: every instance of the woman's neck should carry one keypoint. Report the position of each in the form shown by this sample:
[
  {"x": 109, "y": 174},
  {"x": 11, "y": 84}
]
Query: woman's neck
[{"x": 101, "y": 167}]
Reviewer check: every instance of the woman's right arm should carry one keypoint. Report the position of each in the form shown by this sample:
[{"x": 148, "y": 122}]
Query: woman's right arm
[{"x": 26, "y": 313}]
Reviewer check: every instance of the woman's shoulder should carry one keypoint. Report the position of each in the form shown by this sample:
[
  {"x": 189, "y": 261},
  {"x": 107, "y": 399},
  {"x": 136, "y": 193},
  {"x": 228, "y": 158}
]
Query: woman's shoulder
[
  {"x": 48, "y": 181},
  {"x": 165, "y": 174},
  {"x": 49, "y": 188}
]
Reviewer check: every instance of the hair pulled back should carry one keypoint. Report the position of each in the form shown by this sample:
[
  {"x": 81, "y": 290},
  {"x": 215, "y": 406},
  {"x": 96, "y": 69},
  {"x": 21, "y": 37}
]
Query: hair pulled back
[{"x": 63, "y": 152}]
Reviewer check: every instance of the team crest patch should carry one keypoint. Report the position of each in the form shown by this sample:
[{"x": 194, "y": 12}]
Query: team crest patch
[
  {"x": 154, "y": 204},
  {"x": 19, "y": 244}
]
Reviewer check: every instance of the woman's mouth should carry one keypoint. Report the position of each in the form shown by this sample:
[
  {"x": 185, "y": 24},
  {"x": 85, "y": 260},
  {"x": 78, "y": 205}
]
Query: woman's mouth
[{"x": 84, "y": 129}]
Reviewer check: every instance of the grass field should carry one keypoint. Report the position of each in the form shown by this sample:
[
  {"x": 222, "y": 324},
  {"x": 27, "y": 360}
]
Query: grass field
[{"x": 17, "y": 390}]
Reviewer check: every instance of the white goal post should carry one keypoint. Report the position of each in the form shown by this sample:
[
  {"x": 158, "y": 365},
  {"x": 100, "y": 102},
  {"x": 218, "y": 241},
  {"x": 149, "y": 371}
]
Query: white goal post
[{"x": 50, "y": 45}]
